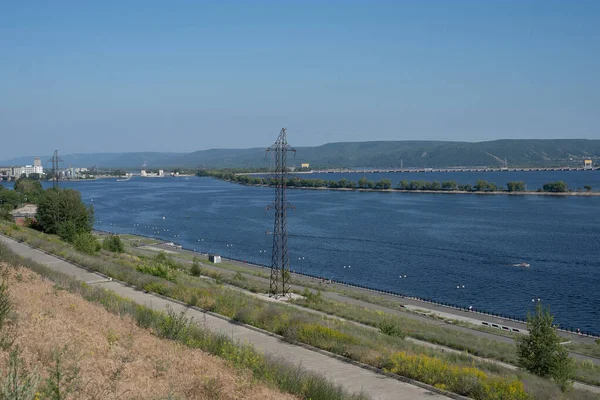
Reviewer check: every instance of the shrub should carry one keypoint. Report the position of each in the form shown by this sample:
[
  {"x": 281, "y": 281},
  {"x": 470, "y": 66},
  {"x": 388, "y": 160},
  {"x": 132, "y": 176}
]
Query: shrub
[
  {"x": 467, "y": 381},
  {"x": 316, "y": 334},
  {"x": 173, "y": 326},
  {"x": 86, "y": 243},
  {"x": 113, "y": 243},
  {"x": 391, "y": 327},
  {"x": 156, "y": 287},
  {"x": 158, "y": 270},
  {"x": 196, "y": 270}
]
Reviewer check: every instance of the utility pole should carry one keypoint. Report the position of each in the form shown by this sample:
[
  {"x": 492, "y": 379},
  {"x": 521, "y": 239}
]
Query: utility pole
[
  {"x": 55, "y": 160},
  {"x": 280, "y": 259}
]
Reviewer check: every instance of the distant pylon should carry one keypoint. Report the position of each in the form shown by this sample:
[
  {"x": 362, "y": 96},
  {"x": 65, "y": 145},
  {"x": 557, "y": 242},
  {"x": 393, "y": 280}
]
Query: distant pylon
[
  {"x": 280, "y": 259},
  {"x": 55, "y": 160}
]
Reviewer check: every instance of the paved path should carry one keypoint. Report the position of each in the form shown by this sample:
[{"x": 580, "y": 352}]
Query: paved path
[
  {"x": 409, "y": 304},
  {"x": 351, "y": 377}
]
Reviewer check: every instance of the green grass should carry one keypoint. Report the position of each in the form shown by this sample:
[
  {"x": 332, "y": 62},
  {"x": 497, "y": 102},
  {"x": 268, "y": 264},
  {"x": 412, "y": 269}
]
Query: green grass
[{"x": 356, "y": 342}]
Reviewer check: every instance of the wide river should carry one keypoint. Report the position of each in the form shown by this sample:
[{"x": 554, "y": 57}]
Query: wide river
[{"x": 440, "y": 242}]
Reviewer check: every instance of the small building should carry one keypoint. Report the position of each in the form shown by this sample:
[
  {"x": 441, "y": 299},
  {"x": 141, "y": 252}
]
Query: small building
[
  {"x": 305, "y": 165},
  {"x": 214, "y": 258},
  {"x": 587, "y": 163},
  {"x": 21, "y": 215}
]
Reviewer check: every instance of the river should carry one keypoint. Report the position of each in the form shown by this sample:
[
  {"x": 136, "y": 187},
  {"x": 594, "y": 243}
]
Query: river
[{"x": 439, "y": 242}]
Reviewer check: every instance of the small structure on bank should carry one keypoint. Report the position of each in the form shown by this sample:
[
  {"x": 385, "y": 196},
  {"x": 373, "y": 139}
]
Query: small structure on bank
[
  {"x": 26, "y": 213},
  {"x": 214, "y": 258}
]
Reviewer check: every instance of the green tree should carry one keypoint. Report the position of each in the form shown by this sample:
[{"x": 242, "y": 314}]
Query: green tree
[
  {"x": 481, "y": 185},
  {"x": 31, "y": 189},
  {"x": 449, "y": 185},
  {"x": 516, "y": 186},
  {"x": 403, "y": 184},
  {"x": 383, "y": 184},
  {"x": 588, "y": 188},
  {"x": 555, "y": 187},
  {"x": 61, "y": 212},
  {"x": 540, "y": 352},
  {"x": 363, "y": 182},
  {"x": 113, "y": 243}
]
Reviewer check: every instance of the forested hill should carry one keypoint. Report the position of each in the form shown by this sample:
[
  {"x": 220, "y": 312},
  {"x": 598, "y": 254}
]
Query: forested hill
[{"x": 382, "y": 154}]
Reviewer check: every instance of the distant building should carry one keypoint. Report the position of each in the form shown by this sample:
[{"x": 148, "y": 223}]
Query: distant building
[
  {"x": 587, "y": 163},
  {"x": 305, "y": 165},
  {"x": 27, "y": 170}
]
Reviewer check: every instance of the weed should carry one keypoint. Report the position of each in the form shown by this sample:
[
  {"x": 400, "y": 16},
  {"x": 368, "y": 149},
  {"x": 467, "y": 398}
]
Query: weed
[
  {"x": 62, "y": 379},
  {"x": 173, "y": 326},
  {"x": 18, "y": 383}
]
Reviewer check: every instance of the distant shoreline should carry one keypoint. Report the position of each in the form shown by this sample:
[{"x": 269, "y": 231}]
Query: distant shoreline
[{"x": 525, "y": 193}]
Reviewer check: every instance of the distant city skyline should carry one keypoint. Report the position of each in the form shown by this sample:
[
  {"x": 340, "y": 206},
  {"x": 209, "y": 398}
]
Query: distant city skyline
[{"x": 151, "y": 76}]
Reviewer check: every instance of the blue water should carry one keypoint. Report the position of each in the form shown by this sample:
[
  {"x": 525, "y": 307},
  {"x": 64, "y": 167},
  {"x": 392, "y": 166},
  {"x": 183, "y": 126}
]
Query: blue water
[
  {"x": 533, "y": 180},
  {"x": 438, "y": 241}
]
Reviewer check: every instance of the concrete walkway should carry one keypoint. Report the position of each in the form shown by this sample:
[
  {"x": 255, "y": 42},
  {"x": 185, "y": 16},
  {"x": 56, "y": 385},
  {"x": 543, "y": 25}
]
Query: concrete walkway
[{"x": 351, "y": 377}]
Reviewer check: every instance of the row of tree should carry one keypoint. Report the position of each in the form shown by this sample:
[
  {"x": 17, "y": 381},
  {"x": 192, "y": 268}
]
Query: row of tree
[{"x": 385, "y": 184}]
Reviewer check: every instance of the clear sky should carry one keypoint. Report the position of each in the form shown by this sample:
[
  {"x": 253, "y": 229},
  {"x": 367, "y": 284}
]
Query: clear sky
[{"x": 107, "y": 76}]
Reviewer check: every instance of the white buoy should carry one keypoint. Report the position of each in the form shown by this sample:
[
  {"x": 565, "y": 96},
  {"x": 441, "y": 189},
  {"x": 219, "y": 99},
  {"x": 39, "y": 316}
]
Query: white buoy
[{"x": 164, "y": 217}]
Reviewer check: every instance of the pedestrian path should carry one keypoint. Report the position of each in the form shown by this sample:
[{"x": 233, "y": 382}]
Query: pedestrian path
[{"x": 351, "y": 377}]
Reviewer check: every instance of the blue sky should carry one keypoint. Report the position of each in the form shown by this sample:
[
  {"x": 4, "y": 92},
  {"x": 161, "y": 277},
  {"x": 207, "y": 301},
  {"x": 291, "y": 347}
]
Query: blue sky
[{"x": 109, "y": 76}]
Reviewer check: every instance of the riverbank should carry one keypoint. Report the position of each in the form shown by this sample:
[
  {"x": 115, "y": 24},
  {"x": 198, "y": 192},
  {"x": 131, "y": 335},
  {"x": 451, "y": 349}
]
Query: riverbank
[{"x": 212, "y": 291}]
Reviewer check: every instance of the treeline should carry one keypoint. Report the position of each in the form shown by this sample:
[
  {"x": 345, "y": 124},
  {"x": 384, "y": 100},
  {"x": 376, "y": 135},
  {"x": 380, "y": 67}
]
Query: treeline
[
  {"x": 386, "y": 184},
  {"x": 59, "y": 212}
]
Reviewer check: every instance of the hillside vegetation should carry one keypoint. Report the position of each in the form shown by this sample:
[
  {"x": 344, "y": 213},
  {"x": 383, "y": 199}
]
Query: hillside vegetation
[{"x": 382, "y": 154}]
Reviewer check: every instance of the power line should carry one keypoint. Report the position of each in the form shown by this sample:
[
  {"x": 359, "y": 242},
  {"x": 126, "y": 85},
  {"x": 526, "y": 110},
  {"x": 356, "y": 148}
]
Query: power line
[
  {"x": 280, "y": 260},
  {"x": 55, "y": 160}
]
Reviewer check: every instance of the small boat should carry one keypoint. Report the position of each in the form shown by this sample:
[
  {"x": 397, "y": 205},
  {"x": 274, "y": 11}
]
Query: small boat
[{"x": 524, "y": 265}]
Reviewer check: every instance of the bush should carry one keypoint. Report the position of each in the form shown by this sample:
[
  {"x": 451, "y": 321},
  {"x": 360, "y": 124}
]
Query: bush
[
  {"x": 113, "y": 243},
  {"x": 391, "y": 327},
  {"x": 467, "y": 381},
  {"x": 195, "y": 270},
  {"x": 173, "y": 326},
  {"x": 86, "y": 243},
  {"x": 158, "y": 270}
]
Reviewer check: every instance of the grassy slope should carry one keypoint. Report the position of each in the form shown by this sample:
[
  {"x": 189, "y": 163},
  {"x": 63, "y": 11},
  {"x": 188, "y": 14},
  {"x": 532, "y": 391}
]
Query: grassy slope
[
  {"x": 116, "y": 358},
  {"x": 343, "y": 338}
]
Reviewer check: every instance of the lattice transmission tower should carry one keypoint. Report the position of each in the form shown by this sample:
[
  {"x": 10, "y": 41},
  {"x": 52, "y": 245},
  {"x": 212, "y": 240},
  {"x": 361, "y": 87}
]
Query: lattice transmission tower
[
  {"x": 55, "y": 160},
  {"x": 280, "y": 259}
]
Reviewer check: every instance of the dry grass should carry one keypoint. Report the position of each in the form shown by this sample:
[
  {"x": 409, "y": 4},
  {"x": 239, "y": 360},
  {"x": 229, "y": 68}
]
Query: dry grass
[{"x": 116, "y": 358}]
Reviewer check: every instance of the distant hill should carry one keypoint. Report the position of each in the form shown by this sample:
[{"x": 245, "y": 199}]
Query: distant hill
[{"x": 382, "y": 154}]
